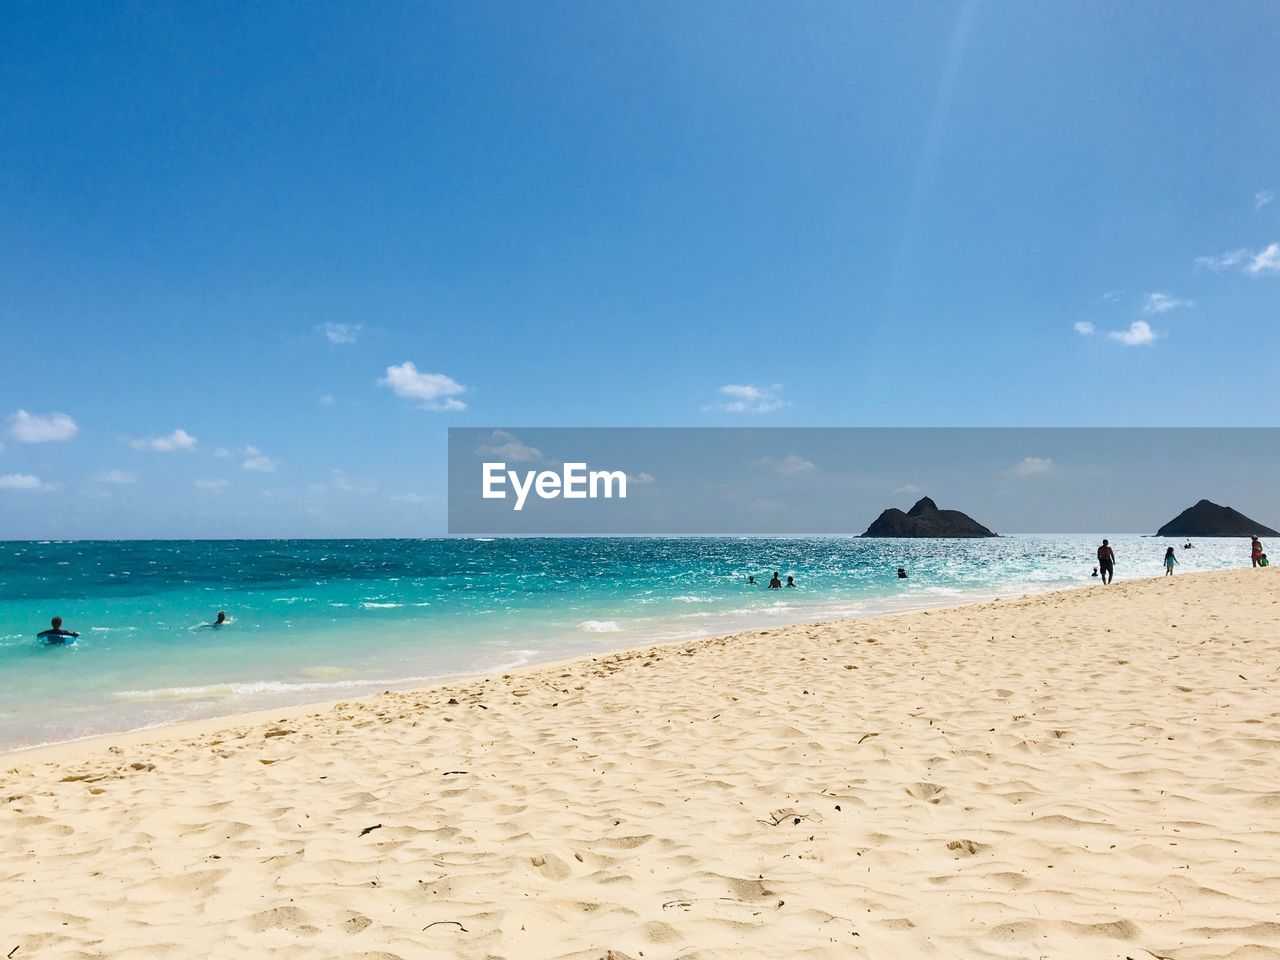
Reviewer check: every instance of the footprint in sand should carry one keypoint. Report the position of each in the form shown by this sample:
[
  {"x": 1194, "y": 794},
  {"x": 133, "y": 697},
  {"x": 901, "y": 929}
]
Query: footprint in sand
[
  {"x": 551, "y": 866},
  {"x": 928, "y": 792},
  {"x": 355, "y": 923},
  {"x": 966, "y": 848}
]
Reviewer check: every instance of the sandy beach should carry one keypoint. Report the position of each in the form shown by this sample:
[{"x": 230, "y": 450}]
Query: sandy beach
[{"x": 1086, "y": 774}]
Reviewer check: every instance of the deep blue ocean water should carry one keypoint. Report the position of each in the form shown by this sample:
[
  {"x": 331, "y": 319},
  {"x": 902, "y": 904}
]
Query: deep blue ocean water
[{"x": 317, "y": 620}]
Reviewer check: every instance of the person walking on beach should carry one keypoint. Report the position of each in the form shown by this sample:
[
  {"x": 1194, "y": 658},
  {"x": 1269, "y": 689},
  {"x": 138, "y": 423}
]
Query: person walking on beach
[
  {"x": 1255, "y": 551},
  {"x": 1107, "y": 562},
  {"x": 1169, "y": 561},
  {"x": 775, "y": 583}
]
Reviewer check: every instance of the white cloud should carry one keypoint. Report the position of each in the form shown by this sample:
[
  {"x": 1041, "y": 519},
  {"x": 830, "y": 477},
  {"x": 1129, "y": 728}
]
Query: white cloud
[
  {"x": 791, "y": 465},
  {"x": 115, "y": 476},
  {"x": 640, "y": 479},
  {"x": 1223, "y": 261},
  {"x": 794, "y": 463},
  {"x": 257, "y": 461},
  {"x": 408, "y": 498},
  {"x": 340, "y": 481},
  {"x": 178, "y": 440},
  {"x": 1139, "y": 334},
  {"x": 41, "y": 428},
  {"x": 908, "y": 488},
  {"x": 502, "y": 444},
  {"x": 747, "y": 398},
  {"x": 1262, "y": 198},
  {"x": 1031, "y": 466},
  {"x": 1113, "y": 296},
  {"x": 1156, "y": 303},
  {"x": 1084, "y": 328},
  {"x": 23, "y": 481},
  {"x": 222, "y": 453},
  {"x": 1266, "y": 260},
  {"x": 216, "y": 485},
  {"x": 435, "y": 390},
  {"x": 340, "y": 333}
]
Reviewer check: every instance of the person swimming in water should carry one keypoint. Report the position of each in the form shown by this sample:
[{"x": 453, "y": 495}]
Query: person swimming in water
[
  {"x": 55, "y": 634},
  {"x": 791, "y": 581},
  {"x": 751, "y": 580},
  {"x": 902, "y": 573},
  {"x": 222, "y": 618},
  {"x": 775, "y": 583}
]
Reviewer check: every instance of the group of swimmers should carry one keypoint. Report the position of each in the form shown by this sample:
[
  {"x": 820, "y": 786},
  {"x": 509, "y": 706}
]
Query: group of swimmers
[
  {"x": 774, "y": 582},
  {"x": 57, "y": 635}
]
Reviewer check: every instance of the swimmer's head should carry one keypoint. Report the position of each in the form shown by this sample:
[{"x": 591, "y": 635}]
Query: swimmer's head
[
  {"x": 57, "y": 623},
  {"x": 222, "y": 617}
]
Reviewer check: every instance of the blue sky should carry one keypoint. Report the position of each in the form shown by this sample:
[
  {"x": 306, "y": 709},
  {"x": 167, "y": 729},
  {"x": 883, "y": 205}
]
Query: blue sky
[{"x": 307, "y": 236}]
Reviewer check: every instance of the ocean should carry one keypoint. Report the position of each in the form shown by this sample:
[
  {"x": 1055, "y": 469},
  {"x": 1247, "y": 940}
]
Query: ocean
[{"x": 316, "y": 620}]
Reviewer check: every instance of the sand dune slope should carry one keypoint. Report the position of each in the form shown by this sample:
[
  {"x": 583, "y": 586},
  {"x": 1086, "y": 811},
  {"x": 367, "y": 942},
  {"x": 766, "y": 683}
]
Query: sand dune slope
[{"x": 1091, "y": 774}]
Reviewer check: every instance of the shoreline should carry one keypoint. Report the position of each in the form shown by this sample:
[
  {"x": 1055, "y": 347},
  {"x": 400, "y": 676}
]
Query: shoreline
[
  {"x": 1080, "y": 774},
  {"x": 62, "y": 750},
  {"x": 205, "y": 725},
  {"x": 818, "y": 618},
  {"x": 146, "y": 663}
]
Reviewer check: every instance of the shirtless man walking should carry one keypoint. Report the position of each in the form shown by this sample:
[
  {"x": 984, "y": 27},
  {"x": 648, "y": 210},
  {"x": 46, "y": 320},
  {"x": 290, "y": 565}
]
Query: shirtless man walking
[{"x": 1106, "y": 562}]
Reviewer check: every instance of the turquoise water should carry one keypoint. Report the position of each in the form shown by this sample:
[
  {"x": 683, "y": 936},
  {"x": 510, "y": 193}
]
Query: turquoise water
[{"x": 321, "y": 620}]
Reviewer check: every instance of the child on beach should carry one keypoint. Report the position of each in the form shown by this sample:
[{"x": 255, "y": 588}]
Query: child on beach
[{"x": 1169, "y": 561}]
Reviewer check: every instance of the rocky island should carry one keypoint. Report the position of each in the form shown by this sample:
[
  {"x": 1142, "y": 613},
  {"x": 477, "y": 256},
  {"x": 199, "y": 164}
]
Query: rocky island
[
  {"x": 1208, "y": 519},
  {"x": 926, "y": 520}
]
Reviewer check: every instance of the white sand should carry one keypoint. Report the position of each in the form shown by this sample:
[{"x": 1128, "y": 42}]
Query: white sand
[{"x": 1088, "y": 774}]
